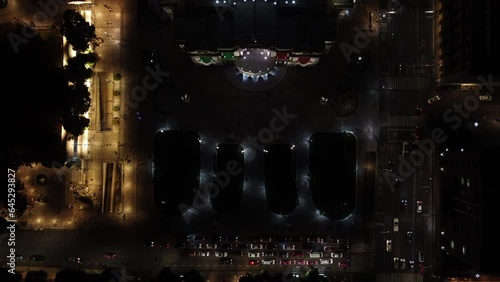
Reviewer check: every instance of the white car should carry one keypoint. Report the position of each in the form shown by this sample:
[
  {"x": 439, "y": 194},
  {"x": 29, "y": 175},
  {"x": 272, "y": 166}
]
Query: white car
[
  {"x": 268, "y": 261},
  {"x": 204, "y": 253},
  {"x": 326, "y": 261},
  {"x": 402, "y": 263},
  {"x": 419, "y": 206},
  {"x": 211, "y": 246},
  {"x": 434, "y": 99},
  {"x": 388, "y": 245},
  {"x": 256, "y": 246},
  {"x": 337, "y": 254},
  {"x": 396, "y": 263},
  {"x": 221, "y": 254},
  {"x": 485, "y": 97},
  {"x": 253, "y": 254},
  {"x": 396, "y": 225}
]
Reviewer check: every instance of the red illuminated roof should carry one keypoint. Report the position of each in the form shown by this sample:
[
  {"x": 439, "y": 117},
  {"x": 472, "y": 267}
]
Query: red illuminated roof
[
  {"x": 304, "y": 60},
  {"x": 281, "y": 55}
]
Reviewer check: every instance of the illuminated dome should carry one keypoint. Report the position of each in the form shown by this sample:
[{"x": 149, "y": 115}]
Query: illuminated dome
[{"x": 254, "y": 61}]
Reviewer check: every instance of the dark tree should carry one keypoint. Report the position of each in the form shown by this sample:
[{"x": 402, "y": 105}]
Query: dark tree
[
  {"x": 75, "y": 125},
  {"x": 78, "y": 100},
  {"x": 6, "y": 276},
  {"x": 71, "y": 275},
  {"x": 78, "y": 32},
  {"x": 36, "y": 276},
  {"x": 21, "y": 203},
  {"x": 166, "y": 275},
  {"x": 194, "y": 276}
]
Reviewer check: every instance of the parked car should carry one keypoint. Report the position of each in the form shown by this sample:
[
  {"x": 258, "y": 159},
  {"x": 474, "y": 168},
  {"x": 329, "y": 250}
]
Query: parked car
[
  {"x": 337, "y": 254},
  {"x": 283, "y": 254},
  {"x": 256, "y": 246},
  {"x": 268, "y": 261},
  {"x": 37, "y": 258},
  {"x": 285, "y": 262},
  {"x": 298, "y": 262},
  {"x": 253, "y": 254},
  {"x": 110, "y": 255},
  {"x": 226, "y": 261},
  {"x": 220, "y": 254},
  {"x": 402, "y": 263},
  {"x": 406, "y": 149},
  {"x": 326, "y": 261}
]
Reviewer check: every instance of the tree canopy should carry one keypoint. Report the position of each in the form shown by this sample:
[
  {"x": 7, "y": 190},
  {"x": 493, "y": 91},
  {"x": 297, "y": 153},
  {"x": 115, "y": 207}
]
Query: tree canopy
[{"x": 77, "y": 31}]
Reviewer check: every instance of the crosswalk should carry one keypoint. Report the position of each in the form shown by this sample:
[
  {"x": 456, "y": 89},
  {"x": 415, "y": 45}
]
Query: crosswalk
[
  {"x": 403, "y": 83},
  {"x": 363, "y": 255},
  {"x": 400, "y": 121},
  {"x": 399, "y": 277}
]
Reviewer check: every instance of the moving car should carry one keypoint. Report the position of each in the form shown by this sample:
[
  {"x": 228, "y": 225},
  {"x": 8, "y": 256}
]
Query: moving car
[
  {"x": 396, "y": 224},
  {"x": 289, "y": 247},
  {"x": 420, "y": 256},
  {"x": 485, "y": 97},
  {"x": 406, "y": 149},
  {"x": 74, "y": 259},
  {"x": 110, "y": 255},
  {"x": 242, "y": 246},
  {"x": 419, "y": 206},
  {"x": 409, "y": 237},
  {"x": 312, "y": 262},
  {"x": 404, "y": 202},
  {"x": 396, "y": 263},
  {"x": 402, "y": 263},
  {"x": 149, "y": 243},
  {"x": 434, "y": 99},
  {"x": 388, "y": 245}
]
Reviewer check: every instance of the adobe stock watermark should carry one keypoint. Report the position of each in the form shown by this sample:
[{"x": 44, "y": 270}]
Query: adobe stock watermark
[
  {"x": 223, "y": 6},
  {"x": 49, "y": 9},
  {"x": 427, "y": 146},
  {"x": 252, "y": 145},
  {"x": 362, "y": 38}
]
